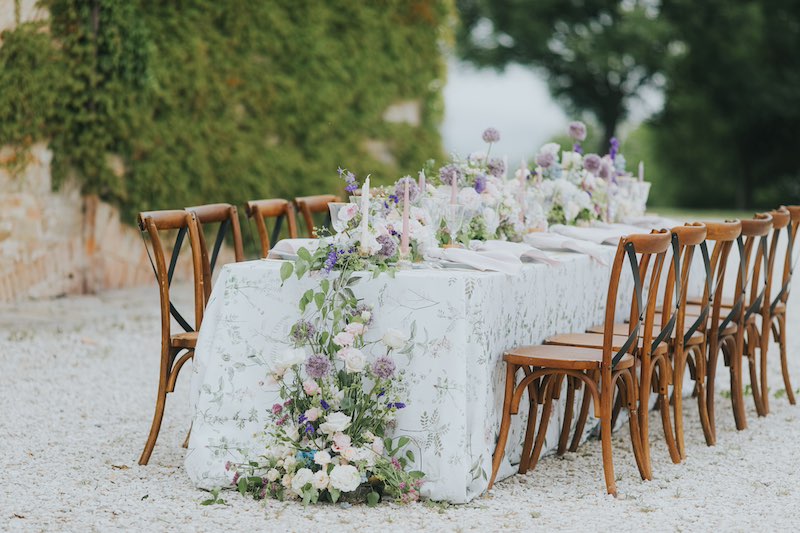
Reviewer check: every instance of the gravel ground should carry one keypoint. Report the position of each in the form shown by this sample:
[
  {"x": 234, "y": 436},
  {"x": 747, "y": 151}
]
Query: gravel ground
[{"x": 77, "y": 388}]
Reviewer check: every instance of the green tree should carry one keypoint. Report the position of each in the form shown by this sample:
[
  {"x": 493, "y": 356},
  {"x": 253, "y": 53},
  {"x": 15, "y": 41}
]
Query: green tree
[
  {"x": 598, "y": 54},
  {"x": 728, "y": 132}
]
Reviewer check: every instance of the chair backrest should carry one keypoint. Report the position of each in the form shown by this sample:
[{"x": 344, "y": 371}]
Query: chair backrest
[
  {"x": 227, "y": 216},
  {"x": 645, "y": 254},
  {"x": 308, "y": 205},
  {"x": 686, "y": 238},
  {"x": 185, "y": 222},
  {"x": 789, "y": 218},
  {"x": 752, "y": 279},
  {"x": 277, "y": 208},
  {"x": 723, "y": 235}
]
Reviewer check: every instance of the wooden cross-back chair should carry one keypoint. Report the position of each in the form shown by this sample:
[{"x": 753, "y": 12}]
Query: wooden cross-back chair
[
  {"x": 178, "y": 344},
  {"x": 777, "y": 307},
  {"x": 276, "y": 208},
  {"x": 655, "y": 362},
  {"x": 227, "y": 216},
  {"x": 600, "y": 370},
  {"x": 309, "y": 205}
]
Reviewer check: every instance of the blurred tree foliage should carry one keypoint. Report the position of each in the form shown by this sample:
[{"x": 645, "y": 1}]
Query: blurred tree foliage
[
  {"x": 728, "y": 134},
  {"x": 598, "y": 54},
  {"x": 166, "y": 104}
]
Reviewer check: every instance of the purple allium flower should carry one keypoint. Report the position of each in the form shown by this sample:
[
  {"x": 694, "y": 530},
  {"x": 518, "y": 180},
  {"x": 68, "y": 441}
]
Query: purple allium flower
[
  {"x": 388, "y": 246},
  {"x": 592, "y": 163},
  {"x": 449, "y": 173},
  {"x": 324, "y": 405},
  {"x": 491, "y": 135},
  {"x": 480, "y": 183},
  {"x": 546, "y": 159},
  {"x": 496, "y": 167},
  {"x": 277, "y": 409},
  {"x": 577, "y": 130},
  {"x": 413, "y": 189},
  {"x": 383, "y": 367},
  {"x": 614, "y": 143},
  {"x": 302, "y": 331},
  {"x": 317, "y": 366}
]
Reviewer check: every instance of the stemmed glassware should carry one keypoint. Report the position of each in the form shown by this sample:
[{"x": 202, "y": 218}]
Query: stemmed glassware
[
  {"x": 338, "y": 225},
  {"x": 453, "y": 218}
]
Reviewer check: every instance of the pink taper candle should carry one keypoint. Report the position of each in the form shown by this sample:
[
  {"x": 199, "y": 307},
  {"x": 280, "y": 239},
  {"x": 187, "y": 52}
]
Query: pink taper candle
[
  {"x": 641, "y": 170},
  {"x": 404, "y": 238},
  {"x": 454, "y": 191},
  {"x": 422, "y": 182}
]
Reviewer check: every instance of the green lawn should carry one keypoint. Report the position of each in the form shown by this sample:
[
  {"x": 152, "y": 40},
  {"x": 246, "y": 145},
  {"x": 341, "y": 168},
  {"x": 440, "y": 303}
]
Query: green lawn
[{"x": 700, "y": 214}]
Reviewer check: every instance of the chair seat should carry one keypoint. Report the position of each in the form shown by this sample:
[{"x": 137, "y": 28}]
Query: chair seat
[
  {"x": 565, "y": 357},
  {"x": 730, "y": 329},
  {"x": 621, "y": 328},
  {"x": 184, "y": 340},
  {"x": 595, "y": 340}
]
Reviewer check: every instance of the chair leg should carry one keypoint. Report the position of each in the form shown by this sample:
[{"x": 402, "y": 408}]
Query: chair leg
[
  {"x": 567, "y": 425},
  {"x": 581, "y": 423},
  {"x": 534, "y": 392},
  {"x": 605, "y": 438},
  {"x": 155, "y": 427},
  {"x": 733, "y": 349},
  {"x": 505, "y": 424},
  {"x": 644, "y": 413},
  {"x": 628, "y": 390},
  {"x": 700, "y": 388},
  {"x": 188, "y": 434},
  {"x": 753, "y": 338},
  {"x": 679, "y": 367},
  {"x": 711, "y": 375},
  {"x": 549, "y": 391},
  {"x": 763, "y": 350},
  {"x": 784, "y": 363},
  {"x": 663, "y": 392}
]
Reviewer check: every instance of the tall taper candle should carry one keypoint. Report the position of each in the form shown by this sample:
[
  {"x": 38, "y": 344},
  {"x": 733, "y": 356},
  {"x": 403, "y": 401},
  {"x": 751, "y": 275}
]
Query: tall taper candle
[
  {"x": 404, "y": 237},
  {"x": 641, "y": 170},
  {"x": 364, "y": 214},
  {"x": 454, "y": 190},
  {"x": 422, "y": 183}
]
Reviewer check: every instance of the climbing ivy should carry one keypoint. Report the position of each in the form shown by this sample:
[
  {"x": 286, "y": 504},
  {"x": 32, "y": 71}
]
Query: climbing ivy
[{"x": 166, "y": 104}]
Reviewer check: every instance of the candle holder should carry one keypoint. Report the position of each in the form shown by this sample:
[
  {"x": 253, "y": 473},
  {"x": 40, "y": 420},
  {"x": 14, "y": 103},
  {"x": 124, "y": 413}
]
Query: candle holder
[{"x": 404, "y": 262}]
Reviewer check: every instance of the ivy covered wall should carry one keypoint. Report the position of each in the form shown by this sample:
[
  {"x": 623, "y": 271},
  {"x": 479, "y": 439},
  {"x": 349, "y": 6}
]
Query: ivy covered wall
[{"x": 158, "y": 105}]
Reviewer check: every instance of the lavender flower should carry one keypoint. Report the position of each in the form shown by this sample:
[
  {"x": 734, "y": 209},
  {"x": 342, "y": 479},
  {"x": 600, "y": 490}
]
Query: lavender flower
[
  {"x": 480, "y": 183},
  {"x": 592, "y": 163},
  {"x": 349, "y": 179},
  {"x": 324, "y": 405},
  {"x": 302, "y": 331},
  {"x": 413, "y": 189},
  {"x": 491, "y": 135},
  {"x": 577, "y": 130},
  {"x": 383, "y": 367},
  {"x": 577, "y": 148},
  {"x": 449, "y": 173},
  {"x": 546, "y": 159},
  {"x": 496, "y": 167},
  {"x": 388, "y": 246},
  {"x": 317, "y": 366},
  {"x": 614, "y": 143},
  {"x": 396, "y": 405}
]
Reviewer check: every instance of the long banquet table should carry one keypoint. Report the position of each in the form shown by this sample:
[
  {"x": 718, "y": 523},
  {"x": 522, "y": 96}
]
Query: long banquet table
[{"x": 462, "y": 321}]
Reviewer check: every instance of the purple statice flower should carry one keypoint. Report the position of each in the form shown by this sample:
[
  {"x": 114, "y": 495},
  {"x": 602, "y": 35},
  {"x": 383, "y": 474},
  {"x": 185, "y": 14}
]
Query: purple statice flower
[
  {"x": 577, "y": 148},
  {"x": 413, "y": 189},
  {"x": 388, "y": 246},
  {"x": 302, "y": 418},
  {"x": 324, "y": 405},
  {"x": 351, "y": 185},
  {"x": 496, "y": 167},
  {"x": 491, "y": 135},
  {"x": 396, "y": 405},
  {"x": 277, "y": 409},
  {"x": 614, "y": 144},
  {"x": 317, "y": 366},
  {"x": 383, "y": 367},
  {"x": 577, "y": 130},
  {"x": 302, "y": 331},
  {"x": 592, "y": 163},
  {"x": 480, "y": 183},
  {"x": 449, "y": 173},
  {"x": 546, "y": 159}
]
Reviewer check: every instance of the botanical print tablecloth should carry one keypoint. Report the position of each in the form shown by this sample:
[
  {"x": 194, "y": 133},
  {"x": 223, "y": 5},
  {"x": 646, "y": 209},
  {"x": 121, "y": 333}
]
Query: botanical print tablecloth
[{"x": 461, "y": 320}]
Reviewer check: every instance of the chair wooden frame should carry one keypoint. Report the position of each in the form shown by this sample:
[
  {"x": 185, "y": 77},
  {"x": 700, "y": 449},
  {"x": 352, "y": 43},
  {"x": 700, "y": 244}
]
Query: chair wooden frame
[
  {"x": 172, "y": 345},
  {"x": 228, "y": 217},
  {"x": 308, "y": 205},
  {"x": 601, "y": 371},
  {"x": 277, "y": 208}
]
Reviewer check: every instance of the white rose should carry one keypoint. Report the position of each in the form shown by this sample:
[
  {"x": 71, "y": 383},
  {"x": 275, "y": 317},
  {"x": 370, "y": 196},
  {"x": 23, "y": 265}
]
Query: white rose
[
  {"x": 369, "y": 245},
  {"x": 377, "y": 445},
  {"x": 394, "y": 338},
  {"x": 313, "y": 413},
  {"x": 287, "y": 359},
  {"x": 286, "y": 481},
  {"x": 345, "y": 478},
  {"x": 355, "y": 328},
  {"x": 571, "y": 210},
  {"x": 469, "y": 198},
  {"x": 322, "y": 458},
  {"x": 334, "y": 423},
  {"x": 355, "y": 361},
  {"x": 570, "y": 160},
  {"x": 348, "y": 212},
  {"x": 293, "y": 433},
  {"x": 301, "y": 478},
  {"x": 491, "y": 219},
  {"x": 321, "y": 480},
  {"x": 343, "y": 339},
  {"x": 272, "y": 474},
  {"x": 289, "y": 461}
]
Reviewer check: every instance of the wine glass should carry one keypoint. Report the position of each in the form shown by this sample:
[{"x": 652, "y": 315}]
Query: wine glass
[
  {"x": 338, "y": 225},
  {"x": 453, "y": 218},
  {"x": 433, "y": 207}
]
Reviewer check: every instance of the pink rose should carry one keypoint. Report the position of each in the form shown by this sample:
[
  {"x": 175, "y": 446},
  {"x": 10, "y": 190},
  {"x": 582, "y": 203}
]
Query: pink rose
[
  {"x": 313, "y": 414},
  {"x": 311, "y": 387},
  {"x": 341, "y": 442},
  {"x": 356, "y": 328},
  {"x": 344, "y": 339}
]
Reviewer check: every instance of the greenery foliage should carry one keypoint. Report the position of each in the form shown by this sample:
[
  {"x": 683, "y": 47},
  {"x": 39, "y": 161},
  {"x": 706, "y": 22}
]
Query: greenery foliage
[{"x": 162, "y": 105}]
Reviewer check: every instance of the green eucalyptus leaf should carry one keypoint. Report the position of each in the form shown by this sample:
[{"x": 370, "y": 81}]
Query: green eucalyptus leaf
[
  {"x": 373, "y": 498},
  {"x": 286, "y": 271}
]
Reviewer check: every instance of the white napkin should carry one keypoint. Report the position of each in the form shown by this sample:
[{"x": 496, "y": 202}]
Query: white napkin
[
  {"x": 597, "y": 235},
  {"x": 556, "y": 242},
  {"x": 498, "y": 261},
  {"x": 291, "y": 246},
  {"x": 651, "y": 222},
  {"x": 525, "y": 252}
]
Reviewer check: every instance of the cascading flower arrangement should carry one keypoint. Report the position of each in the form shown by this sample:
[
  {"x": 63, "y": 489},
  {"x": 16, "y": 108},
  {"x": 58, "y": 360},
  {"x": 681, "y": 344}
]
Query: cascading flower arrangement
[{"x": 340, "y": 388}]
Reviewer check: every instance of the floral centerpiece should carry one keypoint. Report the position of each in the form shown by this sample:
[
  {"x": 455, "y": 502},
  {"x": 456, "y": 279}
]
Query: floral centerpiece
[{"x": 340, "y": 387}]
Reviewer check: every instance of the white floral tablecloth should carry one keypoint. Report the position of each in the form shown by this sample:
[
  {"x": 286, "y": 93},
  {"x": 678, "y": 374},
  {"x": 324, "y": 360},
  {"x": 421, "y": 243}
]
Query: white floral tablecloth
[{"x": 462, "y": 321}]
